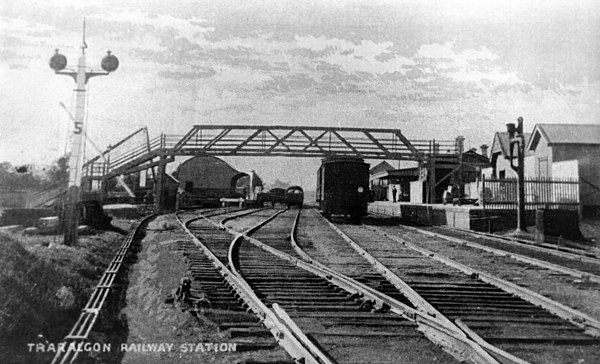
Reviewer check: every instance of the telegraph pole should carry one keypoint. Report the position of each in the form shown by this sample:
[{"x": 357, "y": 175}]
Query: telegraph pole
[{"x": 58, "y": 63}]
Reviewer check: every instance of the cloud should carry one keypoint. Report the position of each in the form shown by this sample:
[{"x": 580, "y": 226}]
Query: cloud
[
  {"x": 180, "y": 75},
  {"x": 366, "y": 56},
  {"x": 311, "y": 64},
  {"x": 186, "y": 28},
  {"x": 495, "y": 75},
  {"x": 24, "y": 27},
  {"x": 445, "y": 53},
  {"x": 468, "y": 65}
]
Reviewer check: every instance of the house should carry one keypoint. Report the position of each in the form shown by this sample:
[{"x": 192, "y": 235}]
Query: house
[
  {"x": 569, "y": 151},
  {"x": 499, "y": 153}
]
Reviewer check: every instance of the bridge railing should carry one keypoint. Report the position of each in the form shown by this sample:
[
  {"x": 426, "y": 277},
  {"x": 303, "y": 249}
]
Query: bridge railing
[
  {"x": 95, "y": 169},
  {"x": 436, "y": 147},
  {"x": 307, "y": 141},
  {"x": 161, "y": 142},
  {"x": 142, "y": 149},
  {"x": 281, "y": 141}
]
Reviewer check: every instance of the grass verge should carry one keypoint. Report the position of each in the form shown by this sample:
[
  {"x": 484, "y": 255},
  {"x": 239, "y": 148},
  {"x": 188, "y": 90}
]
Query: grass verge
[{"x": 44, "y": 286}]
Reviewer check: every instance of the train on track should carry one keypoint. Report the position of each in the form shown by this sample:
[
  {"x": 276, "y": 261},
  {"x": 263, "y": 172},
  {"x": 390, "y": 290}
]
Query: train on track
[
  {"x": 294, "y": 196},
  {"x": 343, "y": 187},
  {"x": 272, "y": 196}
]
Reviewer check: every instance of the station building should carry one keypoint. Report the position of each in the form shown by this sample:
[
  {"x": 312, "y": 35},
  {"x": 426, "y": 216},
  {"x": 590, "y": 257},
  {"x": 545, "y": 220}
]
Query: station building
[
  {"x": 560, "y": 151},
  {"x": 204, "y": 180},
  {"x": 412, "y": 184}
]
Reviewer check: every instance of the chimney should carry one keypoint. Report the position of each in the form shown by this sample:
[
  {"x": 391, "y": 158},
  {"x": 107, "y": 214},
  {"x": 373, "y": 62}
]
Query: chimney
[{"x": 484, "y": 150}]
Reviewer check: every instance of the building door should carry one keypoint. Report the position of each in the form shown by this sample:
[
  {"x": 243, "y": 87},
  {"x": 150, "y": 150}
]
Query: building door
[{"x": 543, "y": 167}]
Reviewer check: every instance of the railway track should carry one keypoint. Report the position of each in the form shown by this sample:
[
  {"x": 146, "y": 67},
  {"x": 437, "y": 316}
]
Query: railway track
[
  {"x": 567, "y": 271},
  {"x": 82, "y": 328},
  {"x": 483, "y": 310},
  {"x": 269, "y": 292},
  {"x": 86, "y": 322},
  {"x": 553, "y": 244},
  {"x": 227, "y": 309},
  {"x": 578, "y": 263},
  {"x": 341, "y": 323},
  {"x": 331, "y": 318}
]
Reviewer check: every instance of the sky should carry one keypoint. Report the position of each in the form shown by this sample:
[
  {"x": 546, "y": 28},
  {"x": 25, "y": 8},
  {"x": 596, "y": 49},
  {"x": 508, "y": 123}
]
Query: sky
[{"x": 433, "y": 69}]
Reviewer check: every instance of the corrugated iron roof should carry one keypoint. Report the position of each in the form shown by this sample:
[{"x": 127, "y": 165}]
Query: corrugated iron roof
[{"x": 570, "y": 133}]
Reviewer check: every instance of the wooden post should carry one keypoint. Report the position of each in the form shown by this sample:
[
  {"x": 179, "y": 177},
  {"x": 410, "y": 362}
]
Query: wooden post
[
  {"x": 159, "y": 185},
  {"x": 460, "y": 140},
  {"x": 103, "y": 189},
  {"x": 482, "y": 197},
  {"x": 432, "y": 173},
  {"x": 521, "y": 224},
  {"x": 540, "y": 235}
]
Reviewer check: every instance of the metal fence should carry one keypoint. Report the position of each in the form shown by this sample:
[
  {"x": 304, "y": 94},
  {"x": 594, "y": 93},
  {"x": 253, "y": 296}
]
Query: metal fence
[{"x": 549, "y": 193}]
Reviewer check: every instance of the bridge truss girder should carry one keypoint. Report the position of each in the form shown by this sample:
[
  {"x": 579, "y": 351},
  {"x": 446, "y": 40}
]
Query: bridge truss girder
[
  {"x": 261, "y": 141},
  {"x": 300, "y": 141}
]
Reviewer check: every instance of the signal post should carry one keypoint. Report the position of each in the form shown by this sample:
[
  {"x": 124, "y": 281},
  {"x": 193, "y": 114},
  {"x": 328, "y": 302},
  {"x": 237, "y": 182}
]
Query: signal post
[
  {"x": 517, "y": 138},
  {"x": 58, "y": 63}
]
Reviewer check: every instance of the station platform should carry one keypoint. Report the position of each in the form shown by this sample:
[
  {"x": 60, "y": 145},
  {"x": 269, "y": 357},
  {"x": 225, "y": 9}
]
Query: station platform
[{"x": 468, "y": 217}]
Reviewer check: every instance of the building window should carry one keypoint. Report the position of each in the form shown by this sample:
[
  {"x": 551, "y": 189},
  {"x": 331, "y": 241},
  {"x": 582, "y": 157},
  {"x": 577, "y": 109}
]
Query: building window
[{"x": 502, "y": 174}]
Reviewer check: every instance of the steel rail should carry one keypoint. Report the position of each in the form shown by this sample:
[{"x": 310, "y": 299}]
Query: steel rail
[
  {"x": 504, "y": 356},
  {"x": 454, "y": 341},
  {"x": 421, "y": 303},
  {"x": 283, "y": 318},
  {"x": 562, "y": 252},
  {"x": 249, "y": 212},
  {"x": 533, "y": 261},
  {"x": 220, "y": 211},
  {"x": 282, "y": 333},
  {"x": 580, "y": 319},
  {"x": 89, "y": 314}
]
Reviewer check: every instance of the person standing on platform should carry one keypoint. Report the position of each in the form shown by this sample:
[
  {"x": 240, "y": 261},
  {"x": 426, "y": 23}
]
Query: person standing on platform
[{"x": 394, "y": 193}]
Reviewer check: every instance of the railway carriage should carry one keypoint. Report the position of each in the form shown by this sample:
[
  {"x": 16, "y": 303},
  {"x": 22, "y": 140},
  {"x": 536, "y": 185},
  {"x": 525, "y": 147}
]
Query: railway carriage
[
  {"x": 294, "y": 196},
  {"x": 343, "y": 187},
  {"x": 274, "y": 195}
]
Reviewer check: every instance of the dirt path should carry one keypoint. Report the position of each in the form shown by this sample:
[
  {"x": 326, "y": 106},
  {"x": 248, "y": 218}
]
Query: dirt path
[{"x": 157, "y": 331}]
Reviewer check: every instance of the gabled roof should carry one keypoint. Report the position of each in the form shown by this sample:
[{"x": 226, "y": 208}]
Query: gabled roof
[
  {"x": 381, "y": 167},
  {"x": 565, "y": 134},
  {"x": 501, "y": 143},
  {"x": 471, "y": 157}
]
